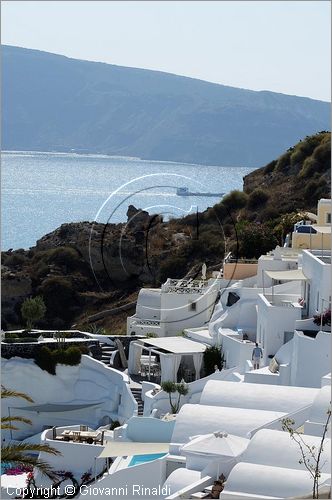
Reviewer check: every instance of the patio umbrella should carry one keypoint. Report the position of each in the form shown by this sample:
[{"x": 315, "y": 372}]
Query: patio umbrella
[{"x": 219, "y": 447}]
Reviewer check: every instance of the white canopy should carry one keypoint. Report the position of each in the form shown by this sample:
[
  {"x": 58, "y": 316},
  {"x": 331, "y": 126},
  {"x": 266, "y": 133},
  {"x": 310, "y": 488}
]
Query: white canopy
[
  {"x": 170, "y": 350},
  {"x": 289, "y": 275},
  {"x": 216, "y": 444},
  {"x": 214, "y": 453},
  {"x": 175, "y": 345},
  {"x": 322, "y": 229},
  {"x": 55, "y": 408},
  {"x": 127, "y": 448}
]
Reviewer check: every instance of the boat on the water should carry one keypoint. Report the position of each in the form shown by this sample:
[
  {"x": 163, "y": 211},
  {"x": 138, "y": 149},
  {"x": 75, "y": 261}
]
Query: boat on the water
[{"x": 184, "y": 191}]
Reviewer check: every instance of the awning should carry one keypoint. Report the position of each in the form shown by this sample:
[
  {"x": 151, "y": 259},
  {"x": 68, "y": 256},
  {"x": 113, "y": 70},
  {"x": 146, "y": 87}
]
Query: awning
[
  {"x": 175, "y": 345},
  {"x": 128, "y": 448},
  {"x": 290, "y": 275},
  {"x": 53, "y": 408},
  {"x": 322, "y": 229}
]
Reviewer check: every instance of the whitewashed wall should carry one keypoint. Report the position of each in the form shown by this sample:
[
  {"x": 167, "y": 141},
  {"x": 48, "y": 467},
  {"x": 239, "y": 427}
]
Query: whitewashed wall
[{"x": 89, "y": 382}]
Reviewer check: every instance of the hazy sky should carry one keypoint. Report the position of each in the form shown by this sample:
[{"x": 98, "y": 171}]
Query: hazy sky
[{"x": 282, "y": 46}]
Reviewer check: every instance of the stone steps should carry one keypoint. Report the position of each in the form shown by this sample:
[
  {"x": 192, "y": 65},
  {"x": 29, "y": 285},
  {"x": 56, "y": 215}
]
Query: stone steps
[
  {"x": 107, "y": 353},
  {"x": 137, "y": 393}
]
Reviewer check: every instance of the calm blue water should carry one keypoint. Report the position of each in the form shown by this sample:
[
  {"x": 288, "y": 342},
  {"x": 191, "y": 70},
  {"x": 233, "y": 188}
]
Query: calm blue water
[
  {"x": 41, "y": 191},
  {"x": 141, "y": 459}
]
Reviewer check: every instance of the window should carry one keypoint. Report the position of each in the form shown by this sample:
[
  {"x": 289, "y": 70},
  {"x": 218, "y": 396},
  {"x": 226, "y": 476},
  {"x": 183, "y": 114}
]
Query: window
[
  {"x": 328, "y": 218},
  {"x": 192, "y": 306}
]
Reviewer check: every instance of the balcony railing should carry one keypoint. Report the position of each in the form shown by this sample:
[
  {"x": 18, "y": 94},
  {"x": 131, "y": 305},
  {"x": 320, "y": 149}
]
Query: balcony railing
[{"x": 145, "y": 322}]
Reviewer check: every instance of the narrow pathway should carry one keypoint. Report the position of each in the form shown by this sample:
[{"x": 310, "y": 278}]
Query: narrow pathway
[{"x": 137, "y": 393}]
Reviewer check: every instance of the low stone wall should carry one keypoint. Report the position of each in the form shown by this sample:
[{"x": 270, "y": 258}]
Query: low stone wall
[{"x": 29, "y": 351}]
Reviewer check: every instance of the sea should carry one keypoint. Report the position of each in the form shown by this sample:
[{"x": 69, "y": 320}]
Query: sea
[{"x": 42, "y": 190}]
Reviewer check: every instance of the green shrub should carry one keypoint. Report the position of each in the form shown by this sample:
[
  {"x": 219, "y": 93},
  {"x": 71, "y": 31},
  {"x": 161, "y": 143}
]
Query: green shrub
[
  {"x": 32, "y": 310},
  {"x": 9, "y": 335},
  {"x": 283, "y": 162},
  {"x": 213, "y": 355},
  {"x": 70, "y": 356},
  {"x": 63, "y": 256},
  {"x": 323, "y": 155},
  {"x": 22, "y": 340},
  {"x": 173, "y": 266},
  {"x": 59, "y": 297},
  {"x": 316, "y": 189},
  {"x": 14, "y": 260},
  {"x": 269, "y": 213},
  {"x": 84, "y": 349},
  {"x": 47, "y": 359},
  {"x": 269, "y": 168},
  {"x": 235, "y": 200},
  {"x": 171, "y": 387},
  {"x": 256, "y": 240},
  {"x": 310, "y": 166},
  {"x": 115, "y": 424},
  {"x": 298, "y": 155},
  {"x": 257, "y": 199}
]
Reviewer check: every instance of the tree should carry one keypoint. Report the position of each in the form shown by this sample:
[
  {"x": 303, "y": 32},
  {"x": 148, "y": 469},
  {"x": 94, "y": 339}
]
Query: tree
[
  {"x": 172, "y": 387},
  {"x": 311, "y": 456},
  {"x": 17, "y": 454},
  {"x": 255, "y": 239},
  {"x": 287, "y": 222},
  {"x": 32, "y": 310},
  {"x": 213, "y": 356}
]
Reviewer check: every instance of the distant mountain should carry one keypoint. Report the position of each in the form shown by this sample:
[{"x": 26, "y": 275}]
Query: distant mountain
[{"x": 51, "y": 102}]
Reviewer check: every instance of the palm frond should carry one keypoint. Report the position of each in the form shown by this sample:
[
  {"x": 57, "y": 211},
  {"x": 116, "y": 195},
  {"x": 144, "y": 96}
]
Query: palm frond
[
  {"x": 4, "y": 420},
  {"x": 11, "y": 427},
  {"x": 9, "y": 452},
  {"x": 8, "y": 393}
]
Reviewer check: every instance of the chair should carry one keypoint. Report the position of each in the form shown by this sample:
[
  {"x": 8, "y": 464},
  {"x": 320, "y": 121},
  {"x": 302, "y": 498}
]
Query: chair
[
  {"x": 76, "y": 436},
  {"x": 100, "y": 440},
  {"x": 143, "y": 370},
  {"x": 54, "y": 433},
  {"x": 156, "y": 370}
]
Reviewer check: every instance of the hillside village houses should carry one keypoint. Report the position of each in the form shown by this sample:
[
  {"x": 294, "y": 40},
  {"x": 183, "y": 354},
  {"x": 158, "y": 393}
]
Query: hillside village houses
[{"x": 230, "y": 424}]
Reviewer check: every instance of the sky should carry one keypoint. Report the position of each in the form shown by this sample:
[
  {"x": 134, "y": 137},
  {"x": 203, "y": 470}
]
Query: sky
[{"x": 282, "y": 46}]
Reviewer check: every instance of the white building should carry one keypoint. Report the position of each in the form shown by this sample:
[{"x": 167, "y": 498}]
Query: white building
[
  {"x": 316, "y": 234},
  {"x": 89, "y": 393},
  {"x": 178, "y": 304}
]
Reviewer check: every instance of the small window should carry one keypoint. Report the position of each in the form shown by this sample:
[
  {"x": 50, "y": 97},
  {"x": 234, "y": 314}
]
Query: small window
[
  {"x": 328, "y": 218},
  {"x": 192, "y": 306}
]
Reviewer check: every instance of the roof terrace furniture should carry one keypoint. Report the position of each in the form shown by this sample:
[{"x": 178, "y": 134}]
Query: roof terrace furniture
[
  {"x": 81, "y": 436},
  {"x": 100, "y": 438},
  {"x": 76, "y": 436}
]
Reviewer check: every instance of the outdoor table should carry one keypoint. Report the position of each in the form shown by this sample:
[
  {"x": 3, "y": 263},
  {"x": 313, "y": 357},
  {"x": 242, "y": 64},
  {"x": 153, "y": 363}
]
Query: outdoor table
[
  {"x": 82, "y": 435},
  {"x": 153, "y": 366}
]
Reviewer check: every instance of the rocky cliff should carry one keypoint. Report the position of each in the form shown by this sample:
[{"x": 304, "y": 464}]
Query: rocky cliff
[{"x": 91, "y": 273}]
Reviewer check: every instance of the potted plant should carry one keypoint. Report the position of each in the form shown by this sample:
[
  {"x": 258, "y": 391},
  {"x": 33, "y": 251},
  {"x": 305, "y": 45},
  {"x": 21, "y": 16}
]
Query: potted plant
[{"x": 173, "y": 387}]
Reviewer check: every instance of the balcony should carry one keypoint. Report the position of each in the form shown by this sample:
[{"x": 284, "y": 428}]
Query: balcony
[
  {"x": 140, "y": 326},
  {"x": 290, "y": 301}
]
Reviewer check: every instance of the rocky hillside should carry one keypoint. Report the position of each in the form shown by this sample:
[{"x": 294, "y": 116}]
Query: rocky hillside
[
  {"x": 90, "y": 274},
  {"x": 298, "y": 178}
]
